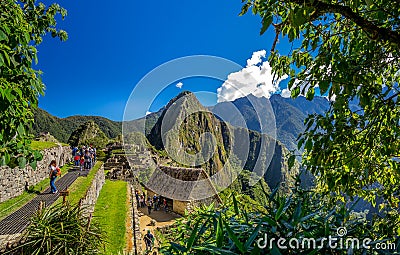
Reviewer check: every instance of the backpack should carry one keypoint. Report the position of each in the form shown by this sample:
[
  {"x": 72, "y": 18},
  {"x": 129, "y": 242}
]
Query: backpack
[{"x": 54, "y": 173}]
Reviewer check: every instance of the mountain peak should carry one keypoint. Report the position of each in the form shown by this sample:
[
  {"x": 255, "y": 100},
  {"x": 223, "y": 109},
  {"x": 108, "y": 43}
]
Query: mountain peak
[{"x": 185, "y": 95}]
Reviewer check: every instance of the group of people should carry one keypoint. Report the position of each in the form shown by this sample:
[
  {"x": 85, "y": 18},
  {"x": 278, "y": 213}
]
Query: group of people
[
  {"x": 85, "y": 157},
  {"x": 152, "y": 203}
]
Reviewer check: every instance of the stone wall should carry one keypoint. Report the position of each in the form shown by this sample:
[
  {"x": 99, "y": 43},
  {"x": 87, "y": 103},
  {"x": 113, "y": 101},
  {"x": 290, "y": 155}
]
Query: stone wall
[
  {"x": 13, "y": 182},
  {"x": 137, "y": 237},
  {"x": 89, "y": 200},
  {"x": 180, "y": 206}
]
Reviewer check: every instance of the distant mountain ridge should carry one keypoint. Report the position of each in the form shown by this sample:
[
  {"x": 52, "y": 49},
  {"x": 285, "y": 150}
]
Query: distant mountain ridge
[
  {"x": 62, "y": 128},
  {"x": 289, "y": 116}
]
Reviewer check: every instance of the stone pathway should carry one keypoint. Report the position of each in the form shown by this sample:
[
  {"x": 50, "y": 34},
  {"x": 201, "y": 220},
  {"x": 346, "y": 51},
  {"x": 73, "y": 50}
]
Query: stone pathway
[
  {"x": 161, "y": 219},
  {"x": 16, "y": 222}
]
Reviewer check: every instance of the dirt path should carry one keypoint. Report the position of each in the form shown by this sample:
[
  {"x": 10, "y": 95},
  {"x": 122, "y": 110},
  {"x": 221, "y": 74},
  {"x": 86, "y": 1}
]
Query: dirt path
[{"x": 161, "y": 218}]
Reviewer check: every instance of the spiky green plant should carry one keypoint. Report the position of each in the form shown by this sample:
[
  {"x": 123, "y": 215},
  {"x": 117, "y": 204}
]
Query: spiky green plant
[
  {"x": 237, "y": 226},
  {"x": 61, "y": 230}
]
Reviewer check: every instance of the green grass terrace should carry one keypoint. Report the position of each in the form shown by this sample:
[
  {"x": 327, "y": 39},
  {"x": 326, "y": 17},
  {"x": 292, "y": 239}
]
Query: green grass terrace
[{"x": 111, "y": 213}]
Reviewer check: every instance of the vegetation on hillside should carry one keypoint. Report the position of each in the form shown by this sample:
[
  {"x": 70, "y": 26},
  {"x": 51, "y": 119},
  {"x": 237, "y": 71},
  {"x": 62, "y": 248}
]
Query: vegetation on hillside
[
  {"x": 180, "y": 138},
  {"x": 242, "y": 226},
  {"x": 88, "y": 133},
  {"x": 23, "y": 24},
  {"x": 62, "y": 128},
  {"x": 351, "y": 51}
]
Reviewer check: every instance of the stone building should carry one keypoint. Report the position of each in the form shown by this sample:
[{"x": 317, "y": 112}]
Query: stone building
[{"x": 181, "y": 186}]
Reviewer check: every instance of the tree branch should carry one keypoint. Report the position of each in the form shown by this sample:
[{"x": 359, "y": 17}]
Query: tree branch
[{"x": 374, "y": 31}]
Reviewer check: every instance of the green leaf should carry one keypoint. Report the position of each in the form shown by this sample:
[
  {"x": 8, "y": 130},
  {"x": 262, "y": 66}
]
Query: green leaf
[
  {"x": 178, "y": 247},
  {"x": 193, "y": 236},
  {"x": 323, "y": 87},
  {"x": 219, "y": 236},
  {"x": 310, "y": 94},
  {"x": 269, "y": 220},
  {"x": 33, "y": 164},
  {"x": 295, "y": 92},
  {"x": 266, "y": 22},
  {"x": 21, "y": 162},
  {"x": 252, "y": 237},
  {"x": 1, "y": 60},
  {"x": 235, "y": 204},
  {"x": 6, "y": 158},
  {"x": 21, "y": 130},
  {"x": 3, "y": 36},
  {"x": 275, "y": 250},
  {"x": 234, "y": 238},
  {"x": 291, "y": 161}
]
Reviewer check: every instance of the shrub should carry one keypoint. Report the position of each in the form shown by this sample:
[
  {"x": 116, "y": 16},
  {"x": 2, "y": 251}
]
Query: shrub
[{"x": 61, "y": 230}]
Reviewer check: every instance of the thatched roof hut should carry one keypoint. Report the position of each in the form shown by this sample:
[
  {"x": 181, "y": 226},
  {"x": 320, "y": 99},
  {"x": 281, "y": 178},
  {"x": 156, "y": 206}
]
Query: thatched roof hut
[{"x": 183, "y": 184}]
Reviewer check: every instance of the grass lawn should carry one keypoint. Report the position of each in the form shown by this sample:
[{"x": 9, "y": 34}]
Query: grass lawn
[
  {"x": 78, "y": 189},
  {"x": 110, "y": 211},
  {"x": 41, "y": 145}
]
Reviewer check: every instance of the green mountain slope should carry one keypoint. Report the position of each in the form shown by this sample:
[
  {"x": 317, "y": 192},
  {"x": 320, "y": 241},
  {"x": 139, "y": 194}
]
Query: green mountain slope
[
  {"x": 88, "y": 133},
  {"x": 182, "y": 130},
  {"x": 62, "y": 128}
]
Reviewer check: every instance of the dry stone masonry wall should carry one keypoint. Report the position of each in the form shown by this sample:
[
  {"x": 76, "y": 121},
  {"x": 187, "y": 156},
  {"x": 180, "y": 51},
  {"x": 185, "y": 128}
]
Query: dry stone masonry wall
[
  {"x": 89, "y": 200},
  {"x": 13, "y": 182}
]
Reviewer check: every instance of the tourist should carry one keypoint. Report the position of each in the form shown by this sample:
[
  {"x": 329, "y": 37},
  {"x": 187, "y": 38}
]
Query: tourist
[
  {"x": 88, "y": 160},
  {"x": 74, "y": 150},
  {"x": 165, "y": 205},
  {"x": 149, "y": 206},
  {"x": 54, "y": 171},
  {"x": 137, "y": 198},
  {"x": 155, "y": 202},
  {"x": 93, "y": 151},
  {"x": 149, "y": 240},
  {"x": 142, "y": 201},
  {"x": 159, "y": 202},
  {"x": 82, "y": 162},
  {"x": 77, "y": 158}
]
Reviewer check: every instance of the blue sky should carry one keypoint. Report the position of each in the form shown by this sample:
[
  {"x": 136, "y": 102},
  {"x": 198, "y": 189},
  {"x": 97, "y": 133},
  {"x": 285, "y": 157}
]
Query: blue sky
[{"x": 113, "y": 45}]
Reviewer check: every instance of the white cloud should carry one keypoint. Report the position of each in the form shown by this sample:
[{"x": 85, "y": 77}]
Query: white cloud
[
  {"x": 256, "y": 78},
  {"x": 256, "y": 58},
  {"x": 147, "y": 113},
  {"x": 286, "y": 93},
  {"x": 179, "y": 85}
]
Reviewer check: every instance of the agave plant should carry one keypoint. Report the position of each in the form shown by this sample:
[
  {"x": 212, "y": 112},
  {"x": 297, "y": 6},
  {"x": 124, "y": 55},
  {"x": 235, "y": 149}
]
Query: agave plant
[{"x": 61, "y": 230}]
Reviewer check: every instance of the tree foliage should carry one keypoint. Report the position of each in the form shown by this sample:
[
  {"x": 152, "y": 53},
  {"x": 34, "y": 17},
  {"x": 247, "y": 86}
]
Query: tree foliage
[
  {"x": 22, "y": 27},
  {"x": 350, "y": 51}
]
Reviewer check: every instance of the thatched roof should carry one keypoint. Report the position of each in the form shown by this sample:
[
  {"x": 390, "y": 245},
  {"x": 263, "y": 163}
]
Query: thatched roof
[{"x": 184, "y": 184}]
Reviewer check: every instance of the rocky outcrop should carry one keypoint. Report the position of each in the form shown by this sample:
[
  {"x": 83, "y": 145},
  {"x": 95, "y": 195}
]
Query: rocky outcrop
[
  {"x": 88, "y": 133},
  {"x": 184, "y": 132},
  {"x": 13, "y": 182}
]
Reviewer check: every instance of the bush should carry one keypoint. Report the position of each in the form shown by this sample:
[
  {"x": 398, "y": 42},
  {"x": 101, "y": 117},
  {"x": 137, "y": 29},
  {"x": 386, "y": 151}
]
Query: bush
[
  {"x": 61, "y": 230},
  {"x": 237, "y": 226}
]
